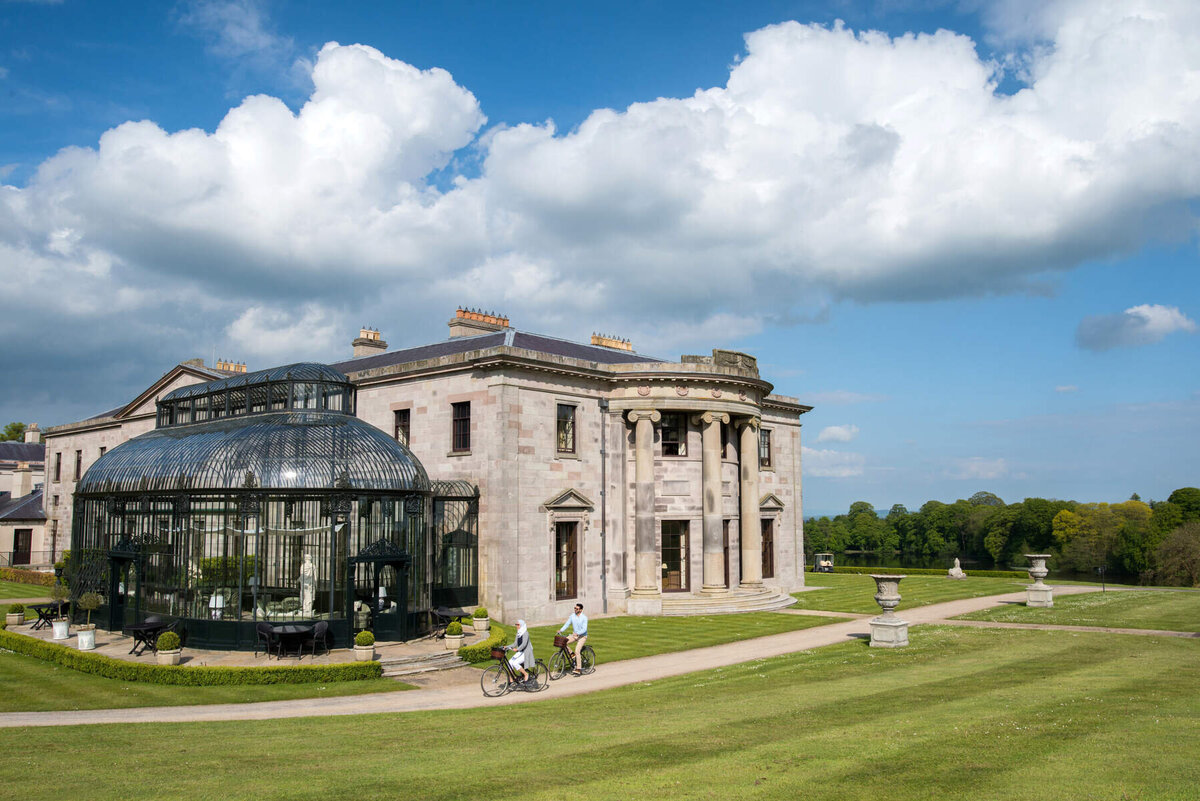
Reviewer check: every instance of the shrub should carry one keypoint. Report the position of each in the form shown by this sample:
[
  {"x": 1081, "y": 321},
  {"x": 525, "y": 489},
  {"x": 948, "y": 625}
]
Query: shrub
[
  {"x": 16, "y": 574},
  {"x": 16, "y": 609},
  {"x": 482, "y": 651},
  {"x": 89, "y": 601},
  {"x": 207, "y": 676},
  {"x": 364, "y": 638},
  {"x": 480, "y": 612},
  {"x": 454, "y": 628},
  {"x": 168, "y": 641}
]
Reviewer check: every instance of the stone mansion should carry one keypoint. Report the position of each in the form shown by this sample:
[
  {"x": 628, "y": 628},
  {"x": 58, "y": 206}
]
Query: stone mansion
[{"x": 594, "y": 474}]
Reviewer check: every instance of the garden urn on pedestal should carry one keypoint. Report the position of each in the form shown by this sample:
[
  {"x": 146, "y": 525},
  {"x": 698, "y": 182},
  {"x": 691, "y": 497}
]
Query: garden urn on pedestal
[
  {"x": 1037, "y": 593},
  {"x": 887, "y": 630},
  {"x": 479, "y": 620}
]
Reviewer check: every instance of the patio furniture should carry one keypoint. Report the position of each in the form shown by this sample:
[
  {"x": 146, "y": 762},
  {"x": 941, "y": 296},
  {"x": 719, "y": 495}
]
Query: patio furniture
[
  {"x": 47, "y": 613},
  {"x": 291, "y": 636},
  {"x": 320, "y": 635},
  {"x": 264, "y": 634},
  {"x": 145, "y": 635},
  {"x": 442, "y": 617}
]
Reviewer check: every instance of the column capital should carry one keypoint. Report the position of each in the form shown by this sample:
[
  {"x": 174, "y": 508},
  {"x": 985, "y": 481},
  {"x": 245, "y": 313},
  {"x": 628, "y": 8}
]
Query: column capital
[
  {"x": 709, "y": 417},
  {"x": 653, "y": 415},
  {"x": 751, "y": 422}
]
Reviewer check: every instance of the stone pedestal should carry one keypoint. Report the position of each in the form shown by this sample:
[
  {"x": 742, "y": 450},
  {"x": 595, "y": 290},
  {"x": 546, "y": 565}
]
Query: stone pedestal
[
  {"x": 887, "y": 630},
  {"x": 1038, "y": 594}
]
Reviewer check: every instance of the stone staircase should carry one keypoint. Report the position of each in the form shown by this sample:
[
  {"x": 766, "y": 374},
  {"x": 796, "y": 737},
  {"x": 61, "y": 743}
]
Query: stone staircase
[
  {"x": 396, "y": 666},
  {"x": 736, "y": 600}
]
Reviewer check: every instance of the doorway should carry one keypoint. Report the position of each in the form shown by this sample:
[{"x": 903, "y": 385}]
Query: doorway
[
  {"x": 675, "y": 556},
  {"x": 768, "y": 548},
  {"x": 22, "y": 546},
  {"x": 566, "y": 552}
]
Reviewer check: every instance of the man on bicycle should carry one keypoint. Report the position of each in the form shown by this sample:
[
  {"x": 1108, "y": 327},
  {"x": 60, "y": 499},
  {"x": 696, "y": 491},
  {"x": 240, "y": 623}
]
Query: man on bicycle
[{"x": 577, "y": 622}]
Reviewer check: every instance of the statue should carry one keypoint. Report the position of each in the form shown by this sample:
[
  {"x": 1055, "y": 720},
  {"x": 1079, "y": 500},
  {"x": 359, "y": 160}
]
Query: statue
[
  {"x": 308, "y": 585},
  {"x": 956, "y": 572}
]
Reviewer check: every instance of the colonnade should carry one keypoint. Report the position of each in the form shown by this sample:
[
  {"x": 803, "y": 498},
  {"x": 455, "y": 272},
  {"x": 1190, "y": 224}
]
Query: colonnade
[{"x": 646, "y": 555}]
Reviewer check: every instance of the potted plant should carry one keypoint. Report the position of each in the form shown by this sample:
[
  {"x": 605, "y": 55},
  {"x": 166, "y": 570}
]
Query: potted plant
[
  {"x": 86, "y": 633},
  {"x": 479, "y": 619},
  {"x": 15, "y": 615},
  {"x": 62, "y": 624},
  {"x": 59, "y": 566},
  {"x": 454, "y": 636},
  {"x": 364, "y": 646},
  {"x": 168, "y": 648}
]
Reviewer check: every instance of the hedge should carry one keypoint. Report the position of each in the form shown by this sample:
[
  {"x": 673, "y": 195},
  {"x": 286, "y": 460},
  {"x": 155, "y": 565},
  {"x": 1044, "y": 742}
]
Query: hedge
[
  {"x": 205, "y": 676},
  {"x": 925, "y": 571},
  {"x": 20, "y": 576},
  {"x": 482, "y": 651}
]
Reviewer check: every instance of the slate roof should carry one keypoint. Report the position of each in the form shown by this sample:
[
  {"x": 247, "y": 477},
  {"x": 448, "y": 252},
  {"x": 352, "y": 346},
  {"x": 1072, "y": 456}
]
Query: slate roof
[
  {"x": 22, "y": 452},
  {"x": 26, "y": 508},
  {"x": 517, "y": 339}
]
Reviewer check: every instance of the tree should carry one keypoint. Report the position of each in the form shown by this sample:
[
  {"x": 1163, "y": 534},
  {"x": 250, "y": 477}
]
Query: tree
[
  {"x": 1179, "y": 556},
  {"x": 982, "y": 498},
  {"x": 1188, "y": 501},
  {"x": 13, "y": 432}
]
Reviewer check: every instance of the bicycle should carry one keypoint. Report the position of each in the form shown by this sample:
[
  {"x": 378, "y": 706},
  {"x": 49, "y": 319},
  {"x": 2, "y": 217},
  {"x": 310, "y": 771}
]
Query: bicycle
[
  {"x": 500, "y": 679},
  {"x": 563, "y": 660}
]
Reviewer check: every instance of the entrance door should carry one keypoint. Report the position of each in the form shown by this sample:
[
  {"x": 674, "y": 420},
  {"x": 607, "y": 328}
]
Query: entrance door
[
  {"x": 22, "y": 546},
  {"x": 675, "y": 556},
  {"x": 566, "y": 552},
  {"x": 389, "y": 607},
  {"x": 725, "y": 544},
  {"x": 768, "y": 548}
]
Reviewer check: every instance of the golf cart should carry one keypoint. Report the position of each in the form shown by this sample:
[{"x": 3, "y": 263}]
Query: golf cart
[{"x": 822, "y": 563}]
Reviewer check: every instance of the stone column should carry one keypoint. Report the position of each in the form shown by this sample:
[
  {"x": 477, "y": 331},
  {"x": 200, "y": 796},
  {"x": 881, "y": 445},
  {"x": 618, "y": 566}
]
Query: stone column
[
  {"x": 714, "y": 546},
  {"x": 751, "y": 539},
  {"x": 645, "y": 583}
]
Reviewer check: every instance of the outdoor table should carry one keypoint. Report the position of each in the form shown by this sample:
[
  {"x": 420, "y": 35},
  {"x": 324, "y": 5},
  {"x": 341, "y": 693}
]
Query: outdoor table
[
  {"x": 47, "y": 613},
  {"x": 145, "y": 635},
  {"x": 293, "y": 634}
]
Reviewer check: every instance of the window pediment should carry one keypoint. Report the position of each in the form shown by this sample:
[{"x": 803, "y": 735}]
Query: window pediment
[
  {"x": 770, "y": 503},
  {"x": 571, "y": 500}
]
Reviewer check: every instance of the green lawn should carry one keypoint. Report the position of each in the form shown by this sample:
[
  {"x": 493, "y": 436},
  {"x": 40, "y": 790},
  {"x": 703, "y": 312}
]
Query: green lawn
[
  {"x": 989, "y": 715},
  {"x": 617, "y": 638},
  {"x": 1128, "y": 609},
  {"x": 852, "y": 592},
  {"x": 31, "y": 685},
  {"x": 11, "y": 589}
]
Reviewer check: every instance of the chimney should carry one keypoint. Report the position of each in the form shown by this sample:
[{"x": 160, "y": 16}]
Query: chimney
[
  {"x": 22, "y": 480},
  {"x": 472, "y": 323},
  {"x": 369, "y": 342},
  {"x": 608, "y": 341},
  {"x": 233, "y": 368},
  {"x": 32, "y": 434}
]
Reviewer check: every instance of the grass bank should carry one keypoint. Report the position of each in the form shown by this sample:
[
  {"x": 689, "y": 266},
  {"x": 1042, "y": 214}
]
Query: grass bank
[
  {"x": 11, "y": 589},
  {"x": 1126, "y": 609},
  {"x": 1012, "y": 714}
]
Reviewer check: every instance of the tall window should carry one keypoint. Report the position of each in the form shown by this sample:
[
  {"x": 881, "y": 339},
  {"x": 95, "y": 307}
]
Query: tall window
[
  {"x": 401, "y": 422},
  {"x": 764, "y": 447},
  {"x": 674, "y": 435},
  {"x": 78, "y": 465},
  {"x": 461, "y": 430},
  {"x": 58, "y": 466},
  {"x": 768, "y": 548},
  {"x": 566, "y": 552},
  {"x": 566, "y": 428},
  {"x": 674, "y": 555}
]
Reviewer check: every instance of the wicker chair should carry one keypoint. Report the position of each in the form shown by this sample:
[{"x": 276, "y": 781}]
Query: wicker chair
[
  {"x": 320, "y": 634},
  {"x": 264, "y": 636}
]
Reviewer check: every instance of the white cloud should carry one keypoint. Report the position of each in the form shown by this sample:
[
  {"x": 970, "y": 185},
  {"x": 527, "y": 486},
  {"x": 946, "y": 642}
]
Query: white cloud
[
  {"x": 979, "y": 467},
  {"x": 838, "y": 433},
  {"x": 1138, "y": 325},
  {"x": 235, "y": 28},
  {"x": 832, "y": 464},
  {"x": 282, "y": 335},
  {"x": 1066, "y": 388}
]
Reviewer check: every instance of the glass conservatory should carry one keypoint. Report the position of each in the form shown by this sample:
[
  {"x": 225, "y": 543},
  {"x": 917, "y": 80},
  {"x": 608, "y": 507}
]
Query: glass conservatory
[{"x": 259, "y": 497}]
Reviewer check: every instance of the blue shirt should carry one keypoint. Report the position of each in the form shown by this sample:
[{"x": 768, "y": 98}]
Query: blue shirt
[{"x": 578, "y": 624}]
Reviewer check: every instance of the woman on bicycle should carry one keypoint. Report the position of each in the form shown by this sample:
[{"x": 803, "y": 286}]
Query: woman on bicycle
[{"x": 524, "y": 651}]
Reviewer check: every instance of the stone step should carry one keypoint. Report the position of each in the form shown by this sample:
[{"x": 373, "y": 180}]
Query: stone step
[
  {"x": 411, "y": 658},
  {"x": 421, "y": 663},
  {"x": 735, "y": 602}
]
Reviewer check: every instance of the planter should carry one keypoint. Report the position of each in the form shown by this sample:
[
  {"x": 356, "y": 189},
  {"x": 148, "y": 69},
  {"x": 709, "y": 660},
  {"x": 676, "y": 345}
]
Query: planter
[
  {"x": 62, "y": 629},
  {"x": 887, "y": 630},
  {"x": 169, "y": 657},
  {"x": 454, "y": 641},
  {"x": 86, "y": 635},
  {"x": 1038, "y": 594},
  {"x": 480, "y": 623},
  {"x": 364, "y": 653},
  {"x": 14, "y": 619}
]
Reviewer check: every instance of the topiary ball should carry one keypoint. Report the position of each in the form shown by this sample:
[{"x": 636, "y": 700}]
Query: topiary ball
[
  {"x": 364, "y": 638},
  {"x": 168, "y": 641},
  {"x": 454, "y": 628},
  {"x": 480, "y": 612}
]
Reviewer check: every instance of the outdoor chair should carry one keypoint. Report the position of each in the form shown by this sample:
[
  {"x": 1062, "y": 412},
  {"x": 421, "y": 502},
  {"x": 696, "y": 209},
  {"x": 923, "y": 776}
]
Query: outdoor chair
[
  {"x": 320, "y": 634},
  {"x": 264, "y": 636}
]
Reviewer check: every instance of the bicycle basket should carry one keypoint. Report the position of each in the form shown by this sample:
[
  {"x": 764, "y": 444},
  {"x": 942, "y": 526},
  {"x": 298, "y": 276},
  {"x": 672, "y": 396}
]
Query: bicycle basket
[
  {"x": 498, "y": 653},
  {"x": 560, "y": 641}
]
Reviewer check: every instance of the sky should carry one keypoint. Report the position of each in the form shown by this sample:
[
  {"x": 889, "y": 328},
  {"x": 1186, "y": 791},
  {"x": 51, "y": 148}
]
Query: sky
[{"x": 964, "y": 232}]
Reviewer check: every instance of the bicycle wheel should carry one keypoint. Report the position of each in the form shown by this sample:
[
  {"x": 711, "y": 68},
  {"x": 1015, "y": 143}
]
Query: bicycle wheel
[
  {"x": 494, "y": 681},
  {"x": 560, "y": 663},
  {"x": 587, "y": 659},
  {"x": 541, "y": 674}
]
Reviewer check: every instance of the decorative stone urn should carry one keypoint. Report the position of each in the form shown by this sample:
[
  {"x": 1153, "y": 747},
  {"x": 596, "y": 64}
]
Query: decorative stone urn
[
  {"x": 169, "y": 657},
  {"x": 887, "y": 630},
  {"x": 14, "y": 619},
  {"x": 1038, "y": 594},
  {"x": 62, "y": 629},
  {"x": 364, "y": 653},
  {"x": 87, "y": 637},
  {"x": 454, "y": 641},
  {"x": 480, "y": 623}
]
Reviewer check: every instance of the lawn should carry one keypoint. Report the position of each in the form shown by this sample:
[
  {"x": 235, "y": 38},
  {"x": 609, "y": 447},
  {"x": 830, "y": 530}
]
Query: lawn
[
  {"x": 31, "y": 685},
  {"x": 1127, "y": 609},
  {"x": 11, "y": 589},
  {"x": 962, "y": 713},
  {"x": 853, "y": 592},
  {"x": 617, "y": 638}
]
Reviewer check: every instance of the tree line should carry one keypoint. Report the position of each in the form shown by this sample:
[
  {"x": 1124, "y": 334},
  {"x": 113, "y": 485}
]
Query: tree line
[{"x": 1157, "y": 542}]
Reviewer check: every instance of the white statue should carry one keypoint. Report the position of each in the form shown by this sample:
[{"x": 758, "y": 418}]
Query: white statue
[
  {"x": 956, "y": 572},
  {"x": 308, "y": 585}
]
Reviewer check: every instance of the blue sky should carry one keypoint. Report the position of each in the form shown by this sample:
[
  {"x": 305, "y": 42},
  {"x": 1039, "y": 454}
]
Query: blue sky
[{"x": 965, "y": 232}]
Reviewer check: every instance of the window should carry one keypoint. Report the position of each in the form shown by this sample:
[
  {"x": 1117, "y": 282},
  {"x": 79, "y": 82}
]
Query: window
[
  {"x": 566, "y": 550},
  {"x": 674, "y": 435},
  {"x": 258, "y": 399},
  {"x": 279, "y": 397},
  {"x": 674, "y": 555},
  {"x": 55, "y": 504},
  {"x": 724, "y": 439},
  {"x": 78, "y": 465},
  {"x": 237, "y": 402},
  {"x": 58, "y": 466},
  {"x": 103, "y": 449},
  {"x": 566, "y": 428},
  {"x": 401, "y": 426},
  {"x": 200, "y": 409},
  {"x": 768, "y": 548},
  {"x": 304, "y": 396},
  {"x": 461, "y": 430},
  {"x": 764, "y": 447}
]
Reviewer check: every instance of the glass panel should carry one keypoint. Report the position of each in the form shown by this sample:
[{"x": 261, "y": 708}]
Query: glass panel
[
  {"x": 279, "y": 397},
  {"x": 566, "y": 428},
  {"x": 565, "y": 553},
  {"x": 183, "y": 412},
  {"x": 304, "y": 395},
  {"x": 674, "y": 555},
  {"x": 674, "y": 435},
  {"x": 237, "y": 401},
  {"x": 258, "y": 399},
  {"x": 200, "y": 409}
]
